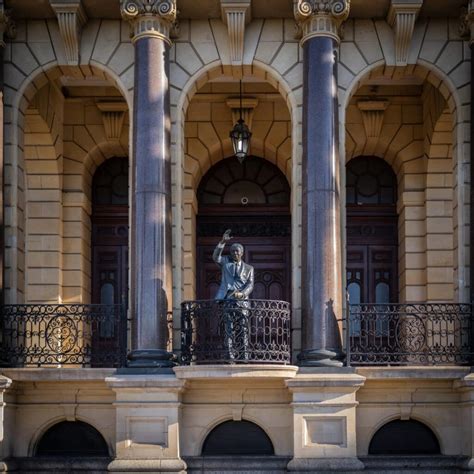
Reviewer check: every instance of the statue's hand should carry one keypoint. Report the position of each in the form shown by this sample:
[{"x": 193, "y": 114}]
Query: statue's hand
[
  {"x": 226, "y": 236},
  {"x": 238, "y": 295}
]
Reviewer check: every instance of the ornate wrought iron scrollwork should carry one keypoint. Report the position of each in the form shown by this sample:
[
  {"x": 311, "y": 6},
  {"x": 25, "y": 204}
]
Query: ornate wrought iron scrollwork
[
  {"x": 229, "y": 331},
  {"x": 67, "y": 335},
  {"x": 410, "y": 334}
]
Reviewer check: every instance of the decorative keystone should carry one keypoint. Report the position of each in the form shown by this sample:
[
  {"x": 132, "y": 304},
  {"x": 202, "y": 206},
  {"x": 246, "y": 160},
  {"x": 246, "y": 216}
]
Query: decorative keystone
[
  {"x": 71, "y": 18},
  {"x": 150, "y": 18},
  {"x": 373, "y": 112},
  {"x": 402, "y": 17},
  {"x": 7, "y": 25},
  {"x": 113, "y": 114},
  {"x": 236, "y": 15},
  {"x": 248, "y": 106},
  {"x": 320, "y": 17},
  {"x": 466, "y": 27}
]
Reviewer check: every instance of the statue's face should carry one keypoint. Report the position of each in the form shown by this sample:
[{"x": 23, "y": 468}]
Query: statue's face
[{"x": 236, "y": 253}]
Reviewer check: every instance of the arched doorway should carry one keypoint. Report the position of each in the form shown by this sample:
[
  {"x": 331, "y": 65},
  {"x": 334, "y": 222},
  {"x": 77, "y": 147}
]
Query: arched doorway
[
  {"x": 372, "y": 231},
  {"x": 237, "y": 438},
  {"x": 72, "y": 439},
  {"x": 109, "y": 244},
  {"x": 404, "y": 437},
  {"x": 252, "y": 199}
]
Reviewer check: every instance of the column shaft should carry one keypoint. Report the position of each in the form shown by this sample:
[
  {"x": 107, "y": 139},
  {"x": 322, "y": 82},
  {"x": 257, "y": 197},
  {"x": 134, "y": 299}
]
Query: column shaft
[
  {"x": 151, "y": 274},
  {"x": 321, "y": 268}
]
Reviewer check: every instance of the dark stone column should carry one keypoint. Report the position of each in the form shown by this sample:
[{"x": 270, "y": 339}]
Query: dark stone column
[
  {"x": 152, "y": 269},
  {"x": 321, "y": 244}
]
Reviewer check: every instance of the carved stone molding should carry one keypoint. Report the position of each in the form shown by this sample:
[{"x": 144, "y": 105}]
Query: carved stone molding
[
  {"x": 236, "y": 15},
  {"x": 402, "y": 17},
  {"x": 150, "y": 18},
  {"x": 320, "y": 17},
  {"x": 248, "y": 106},
  {"x": 373, "y": 112},
  {"x": 466, "y": 27},
  {"x": 113, "y": 114},
  {"x": 7, "y": 25},
  {"x": 71, "y": 18}
]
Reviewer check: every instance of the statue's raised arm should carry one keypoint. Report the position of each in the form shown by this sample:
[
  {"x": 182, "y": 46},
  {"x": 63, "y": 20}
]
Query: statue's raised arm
[{"x": 237, "y": 277}]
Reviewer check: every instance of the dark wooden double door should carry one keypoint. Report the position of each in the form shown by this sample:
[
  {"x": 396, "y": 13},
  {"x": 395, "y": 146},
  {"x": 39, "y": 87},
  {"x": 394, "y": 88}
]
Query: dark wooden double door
[
  {"x": 267, "y": 243},
  {"x": 109, "y": 280},
  {"x": 372, "y": 263}
]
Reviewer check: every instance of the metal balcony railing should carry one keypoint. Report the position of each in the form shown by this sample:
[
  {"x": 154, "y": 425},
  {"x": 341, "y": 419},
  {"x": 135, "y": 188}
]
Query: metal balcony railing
[
  {"x": 229, "y": 331},
  {"x": 69, "y": 335},
  {"x": 409, "y": 334}
]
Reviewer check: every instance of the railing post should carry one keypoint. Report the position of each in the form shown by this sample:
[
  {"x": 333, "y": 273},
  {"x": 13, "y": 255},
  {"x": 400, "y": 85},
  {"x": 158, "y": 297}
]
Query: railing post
[{"x": 348, "y": 330}]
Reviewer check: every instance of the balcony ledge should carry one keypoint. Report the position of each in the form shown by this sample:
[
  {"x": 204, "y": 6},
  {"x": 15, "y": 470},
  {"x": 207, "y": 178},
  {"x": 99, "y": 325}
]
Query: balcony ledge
[
  {"x": 413, "y": 372},
  {"x": 254, "y": 371}
]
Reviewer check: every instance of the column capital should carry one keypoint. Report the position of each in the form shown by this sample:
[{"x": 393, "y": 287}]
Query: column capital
[
  {"x": 149, "y": 18},
  {"x": 7, "y": 25},
  {"x": 320, "y": 17},
  {"x": 466, "y": 27}
]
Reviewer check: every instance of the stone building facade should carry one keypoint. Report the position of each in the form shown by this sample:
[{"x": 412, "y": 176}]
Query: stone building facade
[{"x": 354, "y": 206}]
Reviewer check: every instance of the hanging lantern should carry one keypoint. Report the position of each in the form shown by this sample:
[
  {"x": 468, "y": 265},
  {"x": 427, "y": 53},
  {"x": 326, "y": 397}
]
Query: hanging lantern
[{"x": 240, "y": 135}]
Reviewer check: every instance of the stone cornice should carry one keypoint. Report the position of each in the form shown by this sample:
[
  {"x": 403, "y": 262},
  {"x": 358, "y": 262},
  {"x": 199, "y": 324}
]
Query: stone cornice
[
  {"x": 7, "y": 25},
  {"x": 71, "y": 18},
  {"x": 402, "y": 17},
  {"x": 150, "y": 18},
  {"x": 466, "y": 27},
  {"x": 236, "y": 15},
  {"x": 320, "y": 17}
]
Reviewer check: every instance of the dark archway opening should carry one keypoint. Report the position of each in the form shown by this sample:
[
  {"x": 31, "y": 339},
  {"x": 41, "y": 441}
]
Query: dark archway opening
[
  {"x": 404, "y": 437},
  {"x": 237, "y": 438},
  {"x": 72, "y": 439}
]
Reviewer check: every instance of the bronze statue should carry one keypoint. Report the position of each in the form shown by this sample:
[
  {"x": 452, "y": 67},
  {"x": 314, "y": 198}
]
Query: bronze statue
[{"x": 237, "y": 276}]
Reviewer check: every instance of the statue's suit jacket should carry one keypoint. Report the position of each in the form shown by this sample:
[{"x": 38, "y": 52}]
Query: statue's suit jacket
[{"x": 242, "y": 282}]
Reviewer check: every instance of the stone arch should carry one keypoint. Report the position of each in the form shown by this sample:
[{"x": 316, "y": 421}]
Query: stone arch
[
  {"x": 17, "y": 102},
  {"x": 184, "y": 204},
  {"x": 411, "y": 160}
]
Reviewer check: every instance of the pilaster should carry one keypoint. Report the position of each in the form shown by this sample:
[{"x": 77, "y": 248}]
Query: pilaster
[
  {"x": 147, "y": 423},
  {"x": 324, "y": 420}
]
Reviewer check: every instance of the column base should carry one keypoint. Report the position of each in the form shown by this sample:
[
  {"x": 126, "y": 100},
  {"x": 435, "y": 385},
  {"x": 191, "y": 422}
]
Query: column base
[
  {"x": 147, "y": 465},
  {"x": 325, "y": 465},
  {"x": 151, "y": 358},
  {"x": 320, "y": 358}
]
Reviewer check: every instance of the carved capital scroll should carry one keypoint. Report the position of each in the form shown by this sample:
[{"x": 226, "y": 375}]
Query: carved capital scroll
[
  {"x": 7, "y": 25},
  {"x": 150, "y": 18},
  {"x": 466, "y": 27},
  {"x": 320, "y": 17}
]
